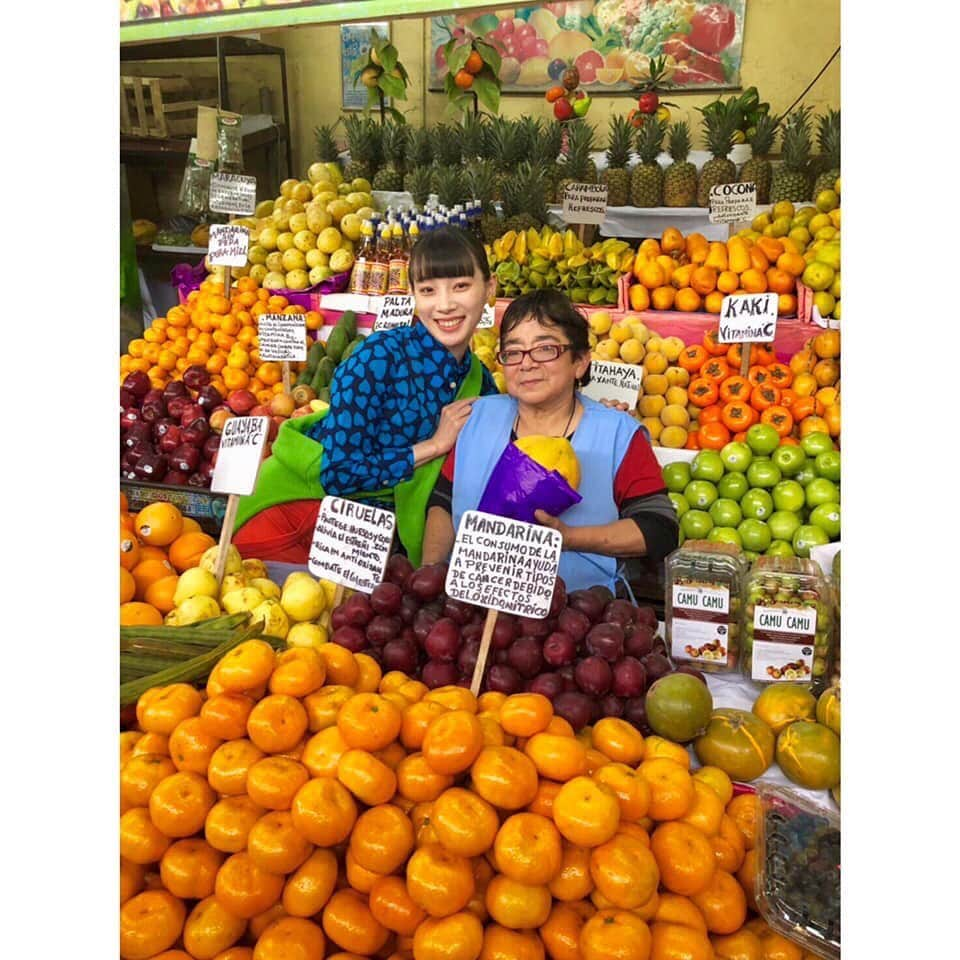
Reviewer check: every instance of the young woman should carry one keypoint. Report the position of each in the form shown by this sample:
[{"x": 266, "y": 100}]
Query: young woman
[
  {"x": 625, "y": 511},
  {"x": 397, "y": 406}
]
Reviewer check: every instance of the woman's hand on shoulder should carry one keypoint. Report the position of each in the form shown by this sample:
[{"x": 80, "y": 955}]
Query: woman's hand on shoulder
[{"x": 452, "y": 418}]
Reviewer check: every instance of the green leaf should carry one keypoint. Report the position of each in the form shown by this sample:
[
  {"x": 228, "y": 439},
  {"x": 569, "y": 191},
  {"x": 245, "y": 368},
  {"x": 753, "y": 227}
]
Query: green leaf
[
  {"x": 450, "y": 85},
  {"x": 448, "y": 48},
  {"x": 458, "y": 58},
  {"x": 373, "y": 99},
  {"x": 388, "y": 57},
  {"x": 487, "y": 91},
  {"x": 403, "y": 72},
  {"x": 396, "y": 114},
  {"x": 489, "y": 56},
  {"x": 392, "y": 86}
]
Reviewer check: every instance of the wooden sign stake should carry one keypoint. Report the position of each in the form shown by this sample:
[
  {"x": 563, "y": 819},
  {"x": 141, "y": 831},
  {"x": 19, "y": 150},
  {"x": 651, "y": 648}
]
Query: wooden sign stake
[
  {"x": 226, "y": 534},
  {"x": 745, "y": 349},
  {"x": 286, "y": 376},
  {"x": 484, "y": 652}
]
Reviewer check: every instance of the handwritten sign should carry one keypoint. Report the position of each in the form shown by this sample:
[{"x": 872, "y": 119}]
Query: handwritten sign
[
  {"x": 282, "y": 336},
  {"x": 506, "y": 565},
  {"x": 615, "y": 381},
  {"x": 351, "y": 543},
  {"x": 396, "y": 310},
  {"x": 239, "y": 455},
  {"x": 748, "y": 318},
  {"x": 228, "y": 245},
  {"x": 233, "y": 193},
  {"x": 488, "y": 318},
  {"x": 733, "y": 202},
  {"x": 584, "y": 203}
]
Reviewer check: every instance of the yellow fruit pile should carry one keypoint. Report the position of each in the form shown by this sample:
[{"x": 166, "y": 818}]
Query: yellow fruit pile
[
  {"x": 308, "y": 233},
  {"x": 306, "y": 805}
]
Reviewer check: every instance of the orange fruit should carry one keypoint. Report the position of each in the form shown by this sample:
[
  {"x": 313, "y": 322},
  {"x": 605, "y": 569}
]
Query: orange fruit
[
  {"x": 561, "y": 933},
  {"x": 674, "y": 941},
  {"x": 557, "y": 757},
  {"x": 382, "y": 839},
  {"x": 369, "y": 722},
  {"x": 370, "y": 672},
  {"x": 722, "y": 903},
  {"x": 188, "y": 548},
  {"x": 150, "y": 922},
  {"x": 729, "y": 846},
  {"x": 674, "y": 908},
  {"x": 707, "y": 809},
  {"x": 311, "y": 885},
  {"x": 615, "y": 935},
  {"x": 189, "y": 867},
  {"x": 136, "y": 614},
  {"x": 128, "y": 586},
  {"x": 229, "y": 823},
  {"x": 159, "y": 523},
  {"x": 587, "y": 813},
  {"x": 277, "y": 723},
  {"x": 744, "y": 809},
  {"x": 370, "y": 780},
  {"x": 528, "y": 848},
  {"x": 160, "y": 593},
  {"x": 631, "y": 789},
  {"x": 516, "y": 905},
  {"x": 453, "y": 698},
  {"x": 131, "y": 879},
  {"x": 274, "y": 844},
  {"x": 298, "y": 672},
  {"x": 324, "y": 811},
  {"x": 742, "y": 945},
  {"x": 141, "y": 842},
  {"x": 624, "y": 871},
  {"x": 416, "y": 719},
  {"x": 225, "y": 716},
  {"x": 140, "y": 774},
  {"x": 658, "y": 747},
  {"x": 246, "y": 666},
  {"x": 499, "y": 943},
  {"x": 465, "y": 823},
  {"x": 684, "y": 856},
  {"x": 747, "y": 877},
  {"x": 455, "y": 937},
  {"x": 619, "y": 740},
  {"x": 245, "y": 889},
  {"x": 322, "y": 752},
  {"x": 341, "y": 666},
  {"x": 291, "y": 937},
  {"x": 504, "y": 777},
  {"x": 191, "y": 747},
  {"x": 394, "y": 908},
  {"x": 440, "y": 882},
  {"x": 348, "y": 922},
  {"x": 162, "y": 709},
  {"x": 323, "y": 706},
  {"x": 418, "y": 781},
  {"x": 525, "y": 714},
  {"x": 671, "y": 788},
  {"x": 573, "y": 881},
  {"x": 210, "y": 929},
  {"x": 230, "y": 766},
  {"x": 715, "y": 778}
]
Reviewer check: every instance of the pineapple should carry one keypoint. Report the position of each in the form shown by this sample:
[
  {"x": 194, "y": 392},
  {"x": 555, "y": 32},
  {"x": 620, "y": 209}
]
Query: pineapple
[
  {"x": 617, "y": 176},
  {"x": 578, "y": 167},
  {"x": 545, "y": 152},
  {"x": 448, "y": 185},
  {"x": 363, "y": 140},
  {"x": 680, "y": 178},
  {"x": 326, "y": 148},
  {"x": 529, "y": 131},
  {"x": 791, "y": 180},
  {"x": 524, "y": 199},
  {"x": 480, "y": 178},
  {"x": 419, "y": 156},
  {"x": 646, "y": 183},
  {"x": 394, "y": 138},
  {"x": 472, "y": 136},
  {"x": 721, "y": 120},
  {"x": 502, "y": 146},
  {"x": 419, "y": 184},
  {"x": 758, "y": 168},
  {"x": 828, "y": 136}
]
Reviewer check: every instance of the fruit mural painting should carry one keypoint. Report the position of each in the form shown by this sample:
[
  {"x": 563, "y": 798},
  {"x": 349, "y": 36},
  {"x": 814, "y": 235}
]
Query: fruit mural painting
[{"x": 610, "y": 42}]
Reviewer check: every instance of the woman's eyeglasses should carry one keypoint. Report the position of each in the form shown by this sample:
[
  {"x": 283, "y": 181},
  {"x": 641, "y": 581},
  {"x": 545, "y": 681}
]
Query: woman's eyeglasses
[{"x": 542, "y": 353}]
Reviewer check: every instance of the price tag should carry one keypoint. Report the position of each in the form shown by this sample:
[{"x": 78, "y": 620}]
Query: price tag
[
  {"x": 233, "y": 193},
  {"x": 615, "y": 381},
  {"x": 239, "y": 455},
  {"x": 748, "y": 318},
  {"x": 396, "y": 310},
  {"x": 282, "y": 336},
  {"x": 584, "y": 203},
  {"x": 733, "y": 202},
  {"x": 506, "y": 565},
  {"x": 351, "y": 543},
  {"x": 488, "y": 318},
  {"x": 228, "y": 245}
]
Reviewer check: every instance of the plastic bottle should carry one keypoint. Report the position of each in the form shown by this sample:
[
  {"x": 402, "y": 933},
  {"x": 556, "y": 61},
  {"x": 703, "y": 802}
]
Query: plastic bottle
[
  {"x": 359, "y": 277},
  {"x": 398, "y": 277},
  {"x": 380, "y": 265}
]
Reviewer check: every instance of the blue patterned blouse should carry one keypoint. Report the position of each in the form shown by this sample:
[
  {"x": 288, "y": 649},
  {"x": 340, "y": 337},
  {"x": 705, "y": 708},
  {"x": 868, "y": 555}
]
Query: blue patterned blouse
[{"x": 386, "y": 397}]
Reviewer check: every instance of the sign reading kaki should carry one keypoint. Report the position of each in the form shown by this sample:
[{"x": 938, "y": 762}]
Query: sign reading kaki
[
  {"x": 748, "y": 317},
  {"x": 228, "y": 245},
  {"x": 396, "y": 310},
  {"x": 505, "y": 565},
  {"x": 282, "y": 336},
  {"x": 733, "y": 202},
  {"x": 239, "y": 455},
  {"x": 620, "y": 382},
  {"x": 351, "y": 543},
  {"x": 233, "y": 193},
  {"x": 584, "y": 203}
]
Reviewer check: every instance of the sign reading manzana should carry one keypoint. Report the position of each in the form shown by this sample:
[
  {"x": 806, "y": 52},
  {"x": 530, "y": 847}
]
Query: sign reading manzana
[{"x": 611, "y": 42}]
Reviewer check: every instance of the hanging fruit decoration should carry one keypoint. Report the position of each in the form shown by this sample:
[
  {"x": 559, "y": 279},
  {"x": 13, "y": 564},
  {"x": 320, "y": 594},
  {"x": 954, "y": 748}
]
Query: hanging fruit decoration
[
  {"x": 648, "y": 100},
  {"x": 474, "y": 73},
  {"x": 569, "y": 101},
  {"x": 382, "y": 73}
]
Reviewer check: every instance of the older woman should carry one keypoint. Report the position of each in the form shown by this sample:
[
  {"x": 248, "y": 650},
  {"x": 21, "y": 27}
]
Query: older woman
[{"x": 625, "y": 511}]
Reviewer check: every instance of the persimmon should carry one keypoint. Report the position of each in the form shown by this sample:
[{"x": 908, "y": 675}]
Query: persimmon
[
  {"x": 734, "y": 387},
  {"x": 712, "y": 344},
  {"x": 713, "y": 436},
  {"x": 710, "y": 414},
  {"x": 150, "y": 923},
  {"x": 692, "y": 358},
  {"x": 778, "y": 417},
  {"x": 763, "y": 396},
  {"x": 703, "y": 392},
  {"x": 737, "y": 415}
]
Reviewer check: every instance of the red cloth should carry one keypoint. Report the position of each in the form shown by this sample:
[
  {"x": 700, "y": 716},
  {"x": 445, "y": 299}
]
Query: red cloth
[{"x": 282, "y": 533}]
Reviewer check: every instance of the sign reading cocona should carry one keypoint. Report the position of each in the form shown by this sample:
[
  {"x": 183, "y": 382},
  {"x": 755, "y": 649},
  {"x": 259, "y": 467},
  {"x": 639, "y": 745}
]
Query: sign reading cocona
[
  {"x": 748, "y": 318},
  {"x": 733, "y": 202}
]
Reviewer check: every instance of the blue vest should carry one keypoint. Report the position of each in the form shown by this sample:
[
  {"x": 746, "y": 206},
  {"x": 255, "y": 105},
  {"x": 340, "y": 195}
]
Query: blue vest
[{"x": 600, "y": 443}]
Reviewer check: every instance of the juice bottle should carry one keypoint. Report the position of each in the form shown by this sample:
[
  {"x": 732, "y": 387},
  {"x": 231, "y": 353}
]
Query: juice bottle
[
  {"x": 380, "y": 265},
  {"x": 398, "y": 280},
  {"x": 361, "y": 264}
]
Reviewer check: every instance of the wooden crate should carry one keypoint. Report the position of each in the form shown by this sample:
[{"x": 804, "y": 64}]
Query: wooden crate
[{"x": 159, "y": 107}]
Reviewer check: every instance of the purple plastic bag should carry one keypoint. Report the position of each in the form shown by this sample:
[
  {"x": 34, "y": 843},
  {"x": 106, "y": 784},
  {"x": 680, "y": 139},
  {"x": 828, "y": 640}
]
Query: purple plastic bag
[
  {"x": 519, "y": 485},
  {"x": 187, "y": 279}
]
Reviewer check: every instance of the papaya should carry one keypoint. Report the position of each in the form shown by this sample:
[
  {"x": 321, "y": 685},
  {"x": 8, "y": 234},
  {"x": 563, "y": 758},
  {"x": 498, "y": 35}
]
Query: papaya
[
  {"x": 809, "y": 755},
  {"x": 738, "y": 742},
  {"x": 782, "y": 703},
  {"x": 828, "y": 708}
]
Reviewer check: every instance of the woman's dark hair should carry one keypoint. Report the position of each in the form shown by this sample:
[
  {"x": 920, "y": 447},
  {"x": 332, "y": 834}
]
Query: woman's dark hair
[
  {"x": 550, "y": 308},
  {"x": 447, "y": 252}
]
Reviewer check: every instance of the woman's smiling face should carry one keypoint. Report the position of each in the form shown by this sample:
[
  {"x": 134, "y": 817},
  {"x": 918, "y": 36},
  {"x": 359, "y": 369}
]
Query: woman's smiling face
[
  {"x": 450, "y": 308},
  {"x": 537, "y": 383}
]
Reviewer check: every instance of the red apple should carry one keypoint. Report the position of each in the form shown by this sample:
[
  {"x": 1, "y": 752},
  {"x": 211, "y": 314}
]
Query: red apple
[
  {"x": 241, "y": 402},
  {"x": 260, "y": 410},
  {"x": 219, "y": 417}
]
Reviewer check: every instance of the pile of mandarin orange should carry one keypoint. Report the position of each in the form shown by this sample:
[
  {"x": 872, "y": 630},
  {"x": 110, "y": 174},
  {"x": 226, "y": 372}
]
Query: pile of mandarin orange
[
  {"x": 218, "y": 333},
  {"x": 306, "y": 807}
]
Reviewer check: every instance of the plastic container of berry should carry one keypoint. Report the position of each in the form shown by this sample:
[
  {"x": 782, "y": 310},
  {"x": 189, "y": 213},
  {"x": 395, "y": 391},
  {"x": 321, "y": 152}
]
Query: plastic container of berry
[{"x": 798, "y": 870}]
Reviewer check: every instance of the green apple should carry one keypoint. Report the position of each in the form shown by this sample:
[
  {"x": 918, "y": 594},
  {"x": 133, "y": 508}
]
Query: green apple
[
  {"x": 806, "y": 474},
  {"x": 827, "y": 464},
  {"x": 763, "y": 472},
  {"x": 821, "y": 490},
  {"x": 707, "y": 465},
  {"x": 757, "y": 505},
  {"x": 788, "y": 495},
  {"x": 808, "y": 536},
  {"x": 696, "y": 524},
  {"x": 733, "y": 486},
  {"x": 679, "y": 502},
  {"x": 826, "y": 516},
  {"x": 789, "y": 458},
  {"x": 816, "y": 442},
  {"x": 751, "y": 556},
  {"x": 736, "y": 456},
  {"x": 783, "y": 525},
  {"x": 763, "y": 439},
  {"x": 725, "y": 535},
  {"x": 726, "y": 512},
  {"x": 700, "y": 494},
  {"x": 755, "y": 534},
  {"x": 676, "y": 476},
  {"x": 779, "y": 548}
]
